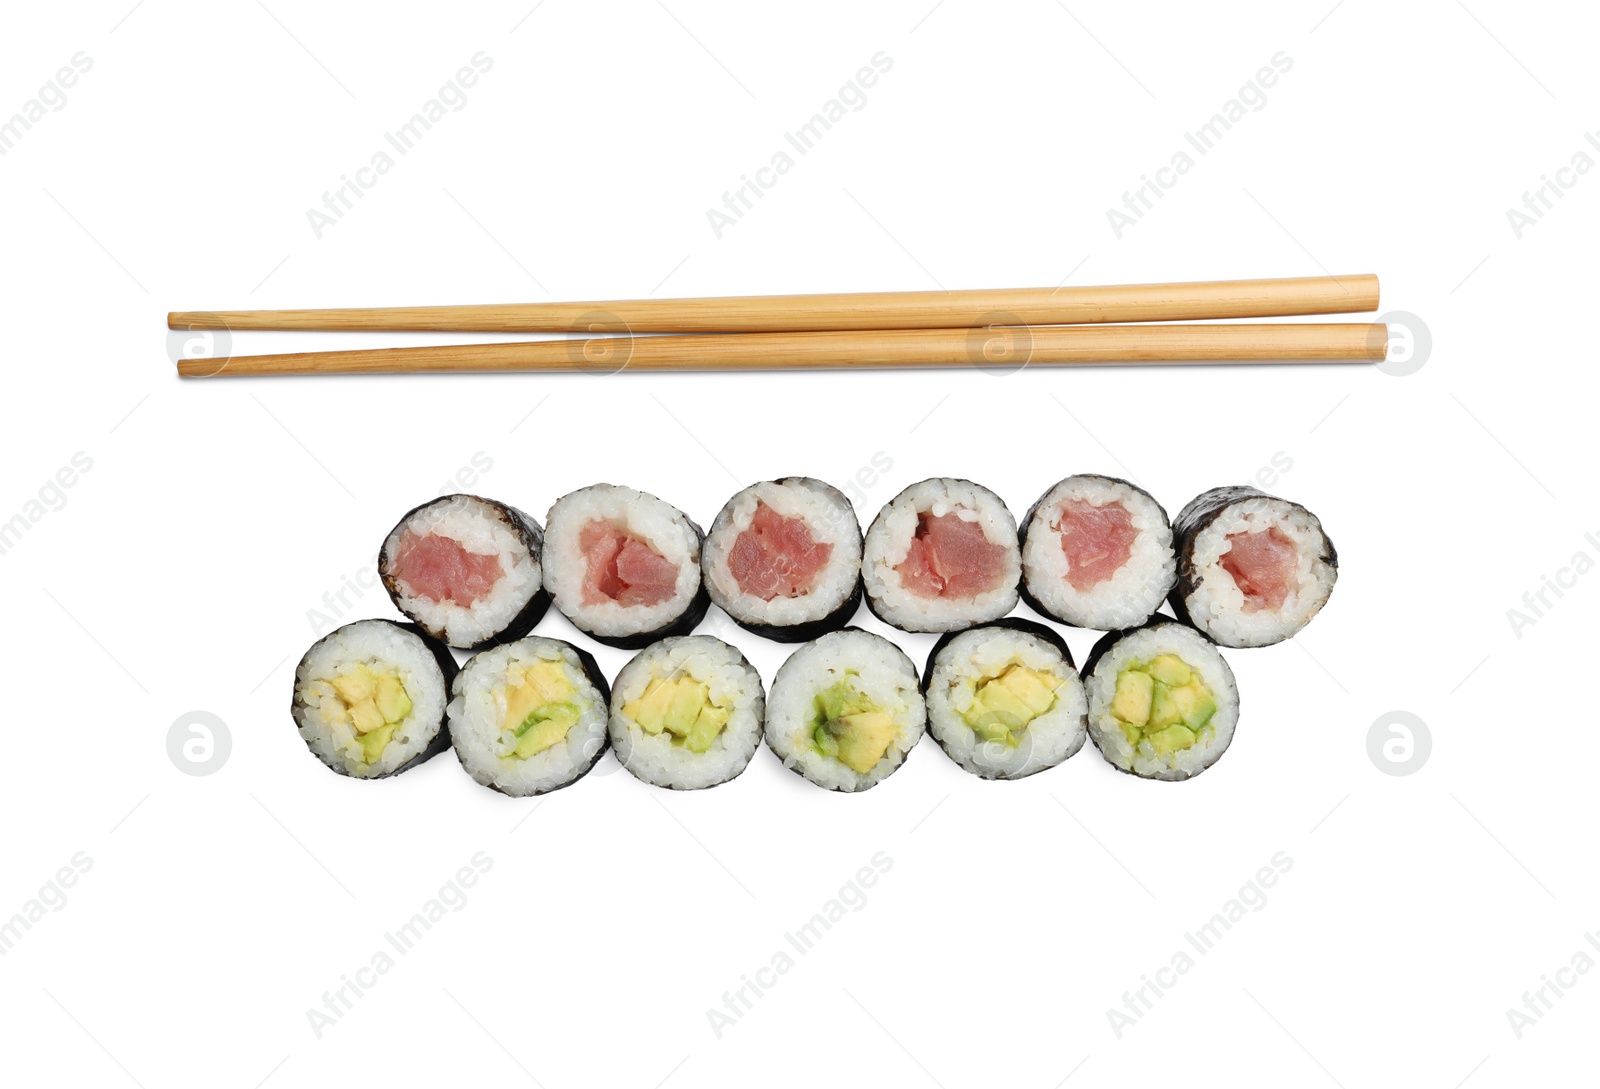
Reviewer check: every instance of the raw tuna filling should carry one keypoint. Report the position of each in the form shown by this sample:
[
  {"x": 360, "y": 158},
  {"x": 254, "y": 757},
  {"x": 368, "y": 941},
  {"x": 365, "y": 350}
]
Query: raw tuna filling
[
  {"x": 776, "y": 556},
  {"x": 950, "y": 557},
  {"x": 440, "y": 569},
  {"x": 1263, "y": 563},
  {"x": 1097, "y": 541},
  {"x": 622, "y": 568}
]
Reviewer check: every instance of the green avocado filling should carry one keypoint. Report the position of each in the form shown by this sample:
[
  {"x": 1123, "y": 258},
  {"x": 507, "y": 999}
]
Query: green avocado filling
[
  {"x": 681, "y": 708},
  {"x": 541, "y": 707},
  {"x": 1004, "y": 703},
  {"x": 850, "y": 727},
  {"x": 1163, "y": 701},
  {"x": 373, "y": 702}
]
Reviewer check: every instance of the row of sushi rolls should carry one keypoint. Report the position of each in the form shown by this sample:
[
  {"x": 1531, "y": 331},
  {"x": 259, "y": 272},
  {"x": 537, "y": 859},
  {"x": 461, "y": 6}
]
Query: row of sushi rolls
[{"x": 786, "y": 559}]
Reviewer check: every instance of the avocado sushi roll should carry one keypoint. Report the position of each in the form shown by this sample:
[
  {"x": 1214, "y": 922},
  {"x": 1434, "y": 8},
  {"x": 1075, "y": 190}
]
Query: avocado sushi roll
[
  {"x": 942, "y": 555},
  {"x": 1252, "y": 569},
  {"x": 686, "y": 713},
  {"x": 845, "y": 710},
  {"x": 466, "y": 569},
  {"x": 369, "y": 698},
  {"x": 1097, "y": 553},
  {"x": 783, "y": 559},
  {"x": 1163, "y": 703},
  {"x": 623, "y": 566},
  {"x": 1004, "y": 699},
  {"x": 529, "y": 717}
]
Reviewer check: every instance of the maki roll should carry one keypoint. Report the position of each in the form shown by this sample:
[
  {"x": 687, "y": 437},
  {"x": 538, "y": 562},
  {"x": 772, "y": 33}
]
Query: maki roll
[
  {"x": 623, "y": 566},
  {"x": 783, "y": 559},
  {"x": 1162, "y": 701},
  {"x": 369, "y": 698},
  {"x": 529, "y": 717},
  {"x": 1004, "y": 699},
  {"x": 1252, "y": 569},
  {"x": 940, "y": 556},
  {"x": 686, "y": 713},
  {"x": 466, "y": 569},
  {"x": 844, "y": 710},
  {"x": 1097, "y": 553}
]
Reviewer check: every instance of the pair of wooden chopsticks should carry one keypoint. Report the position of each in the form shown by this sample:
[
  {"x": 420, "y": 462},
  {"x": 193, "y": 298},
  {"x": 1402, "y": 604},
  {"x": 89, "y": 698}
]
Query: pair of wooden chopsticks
[{"x": 989, "y": 328}]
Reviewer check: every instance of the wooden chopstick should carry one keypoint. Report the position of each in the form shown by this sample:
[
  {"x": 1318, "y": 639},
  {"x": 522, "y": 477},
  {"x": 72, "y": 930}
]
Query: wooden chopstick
[
  {"x": 798, "y": 313},
  {"x": 1000, "y": 347}
]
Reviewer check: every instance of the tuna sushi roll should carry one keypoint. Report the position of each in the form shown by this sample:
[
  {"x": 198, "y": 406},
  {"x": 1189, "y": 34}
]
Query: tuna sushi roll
[
  {"x": 784, "y": 559},
  {"x": 940, "y": 556},
  {"x": 624, "y": 566},
  {"x": 1004, "y": 699},
  {"x": 1162, "y": 701},
  {"x": 369, "y": 698},
  {"x": 529, "y": 717},
  {"x": 845, "y": 710},
  {"x": 1252, "y": 569},
  {"x": 686, "y": 713},
  {"x": 1097, "y": 553},
  {"x": 466, "y": 569}
]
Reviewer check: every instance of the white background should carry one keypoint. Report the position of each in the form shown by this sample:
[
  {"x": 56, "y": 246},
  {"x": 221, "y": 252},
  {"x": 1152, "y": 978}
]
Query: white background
[{"x": 178, "y": 572}]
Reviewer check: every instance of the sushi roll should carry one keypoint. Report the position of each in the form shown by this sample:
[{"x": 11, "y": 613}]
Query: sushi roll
[
  {"x": 624, "y": 566},
  {"x": 686, "y": 713},
  {"x": 529, "y": 717},
  {"x": 369, "y": 698},
  {"x": 783, "y": 559},
  {"x": 844, "y": 710},
  {"x": 1162, "y": 701},
  {"x": 942, "y": 555},
  {"x": 1004, "y": 699},
  {"x": 466, "y": 569},
  {"x": 1097, "y": 553},
  {"x": 1252, "y": 569}
]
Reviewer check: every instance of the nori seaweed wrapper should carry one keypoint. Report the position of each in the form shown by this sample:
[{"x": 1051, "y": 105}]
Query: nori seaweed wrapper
[
  {"x": 810, "y": 629},
  {"x": 527, "y": 530},
  {"x": 1027, "y": 520},
  {"x": 1198, "y": 514},
  {"x": 447, "y": 666}
]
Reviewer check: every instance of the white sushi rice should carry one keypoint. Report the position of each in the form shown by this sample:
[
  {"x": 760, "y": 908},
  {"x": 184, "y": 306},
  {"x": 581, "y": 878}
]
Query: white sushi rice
[
  {"x": 876, "y": 667},
  {"x": 888, "y": 542},
  {"x": 480, "y": 530},
  {"x": 382, "y": 646},
  {"x": 988, "y": 652},
  {"x": 1133, "y": 592},
  {"x": 644, "y": 517},
  {"x": 1216, "y": 605},
  {"x": 832, "y": 521},
  {"x": 1142, "y": 645},
  {"x": 730, "y": 681},
  {"x": 477, "y": 721}
]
